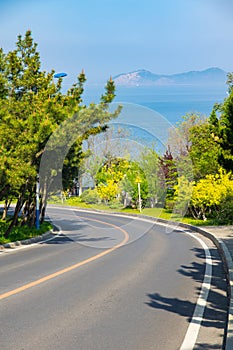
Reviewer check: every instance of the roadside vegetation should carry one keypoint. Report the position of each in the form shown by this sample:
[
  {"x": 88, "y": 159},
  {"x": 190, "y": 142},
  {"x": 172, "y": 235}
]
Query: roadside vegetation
[
  {"x": 32, "y": 106},
  {"x": 192, "y": 181},
  {"x": 20, "y": 233},
  {"x": 157, "y": 212},
  {"x": 200, "y": 194}
]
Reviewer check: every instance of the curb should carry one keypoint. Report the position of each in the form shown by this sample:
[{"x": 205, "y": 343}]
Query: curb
[
  {"x": 224, "y": 254},
  {"x": 36, "y": 239},
  {"x": 227, "y": 264},
  {"x": 221, "y": 246},
  {"x": 228, "y": 267}
]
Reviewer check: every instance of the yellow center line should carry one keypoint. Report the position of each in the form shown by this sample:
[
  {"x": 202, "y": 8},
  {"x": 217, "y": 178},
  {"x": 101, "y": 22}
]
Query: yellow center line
[{"x": 72, "y": 267}]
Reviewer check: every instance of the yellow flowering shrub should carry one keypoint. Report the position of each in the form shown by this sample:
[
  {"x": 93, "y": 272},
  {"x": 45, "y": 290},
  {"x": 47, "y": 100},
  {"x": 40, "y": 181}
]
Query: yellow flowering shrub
[
  {"x": 210, "y": 193},
  {"x": 109, "y": 190}
]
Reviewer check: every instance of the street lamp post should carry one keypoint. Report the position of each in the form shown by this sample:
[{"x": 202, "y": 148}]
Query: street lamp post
[
  {"x": 138, "y": 181},
  {"x": 139, "y": 197},
  {"x": 60, "y": 75}
]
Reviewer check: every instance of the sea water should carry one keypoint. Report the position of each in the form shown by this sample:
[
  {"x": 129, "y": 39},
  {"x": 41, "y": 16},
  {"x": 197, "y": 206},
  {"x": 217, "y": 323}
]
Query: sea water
[
  {"x": 170, "y": 102},
  {"x": 173, "y": 101}
]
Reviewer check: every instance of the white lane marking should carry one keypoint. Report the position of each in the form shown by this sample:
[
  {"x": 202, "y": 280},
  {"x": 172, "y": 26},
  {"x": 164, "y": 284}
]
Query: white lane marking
[
  {"x": 195, "y": 323},
  {"x": 197, "y": 318}
]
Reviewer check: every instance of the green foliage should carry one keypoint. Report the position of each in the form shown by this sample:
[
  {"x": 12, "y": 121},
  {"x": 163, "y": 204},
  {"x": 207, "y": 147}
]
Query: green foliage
[
  {"x": 179, "y": 136},
  {"x": 208, "y": 142},
  {"x": 212, "y": 196},
  {"x": 117, "y": 179},
  {"x": 149, "y": 163},
  {"x": 168, "y": 173},
  {"x": 32, "y": 108},
  {"x": 182, "y": 195},
  {"x": 108, "y": 190},
  {"x": 110, "y": 92},
  {"x": 223, "y": 128},
  {"x": 226, "y": 132},
  {"x": 109, "y": 176},
  {"x": 130, "y": 181},
  {"x": 230, "y": 81},
  {"x": 91, "y": 196},
  {"x": 21, "y": 232},
  {"x": 112, "y": 169},
  {"x": 225, "y": 214},
  {"x": 204, "y": 150}
]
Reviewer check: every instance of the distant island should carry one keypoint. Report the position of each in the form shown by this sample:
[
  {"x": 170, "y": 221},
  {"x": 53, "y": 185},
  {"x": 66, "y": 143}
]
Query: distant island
[{"x": 142, "y": 77}]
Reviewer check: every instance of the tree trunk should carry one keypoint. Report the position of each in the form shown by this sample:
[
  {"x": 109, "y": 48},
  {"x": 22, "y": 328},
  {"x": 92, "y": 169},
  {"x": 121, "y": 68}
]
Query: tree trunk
[
  {"x": 6, "y": 207},
  {"x": 4, "y": 192},
  {"x": 18, "y": 207}
]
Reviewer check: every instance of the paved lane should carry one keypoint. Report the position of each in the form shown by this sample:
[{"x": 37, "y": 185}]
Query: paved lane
[{"x": 139, "y": 296}]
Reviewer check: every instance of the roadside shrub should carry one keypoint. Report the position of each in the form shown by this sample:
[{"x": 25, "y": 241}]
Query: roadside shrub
[
  {"x": 212, "y": 197},
  {"x": 21, "y": 232},
  {"x": 169, "y": 205},
  {"x": 115, "y": 205},
  {"x": 90, "y": 196},
  {"x": 224, "y": 215}
]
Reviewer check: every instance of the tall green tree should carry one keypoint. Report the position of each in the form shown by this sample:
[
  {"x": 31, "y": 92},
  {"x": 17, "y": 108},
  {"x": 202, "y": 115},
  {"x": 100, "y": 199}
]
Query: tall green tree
[
  {"x": 223, "y": 127},
  {"x": 226, "y": 133},
  {"x": 195, "y": 138},
  {"x": 32, "y": 106},
  {"x": 204, "y": 150},
  {"x": 179, "y": 136},
  {"x": 149, "y": 163},
  {"x": 168, "y": 172}
]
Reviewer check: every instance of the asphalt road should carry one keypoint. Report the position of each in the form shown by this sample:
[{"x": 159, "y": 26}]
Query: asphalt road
[{"x": 110, "y": 282}]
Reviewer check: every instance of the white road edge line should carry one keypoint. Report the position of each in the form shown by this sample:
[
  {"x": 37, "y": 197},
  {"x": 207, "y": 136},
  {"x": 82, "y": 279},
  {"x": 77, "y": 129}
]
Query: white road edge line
[
  {"x": 195, "y": 323},
  {"x": 197, "y": 318}
]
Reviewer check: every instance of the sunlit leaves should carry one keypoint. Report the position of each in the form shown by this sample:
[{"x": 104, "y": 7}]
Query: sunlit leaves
[
  {"x": 210, "y": 192},
  {"x": 32, "y": 107}
]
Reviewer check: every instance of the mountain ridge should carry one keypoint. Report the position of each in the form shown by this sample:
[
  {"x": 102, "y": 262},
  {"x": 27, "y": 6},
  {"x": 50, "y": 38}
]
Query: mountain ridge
[{"x": 143, "y": 77}]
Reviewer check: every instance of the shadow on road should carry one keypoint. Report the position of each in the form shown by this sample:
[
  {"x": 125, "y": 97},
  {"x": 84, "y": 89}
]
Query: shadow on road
[
  {"x": 208, "y": 347},
  {"x": 63, "y": 239},
  {"x": 215, "y": 314},
  {"x": 72, "y": 234}
]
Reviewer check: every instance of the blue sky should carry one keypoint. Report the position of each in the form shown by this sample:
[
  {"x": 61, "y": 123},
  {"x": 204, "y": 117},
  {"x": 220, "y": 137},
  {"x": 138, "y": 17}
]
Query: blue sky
[{"x": 108, "y": 37}]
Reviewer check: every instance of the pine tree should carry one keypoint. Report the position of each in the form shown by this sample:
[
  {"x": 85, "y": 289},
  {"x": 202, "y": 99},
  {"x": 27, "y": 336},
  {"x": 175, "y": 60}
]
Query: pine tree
[
  {"x": 32, "y": 108},
  {"x": 223, "y": 127}
]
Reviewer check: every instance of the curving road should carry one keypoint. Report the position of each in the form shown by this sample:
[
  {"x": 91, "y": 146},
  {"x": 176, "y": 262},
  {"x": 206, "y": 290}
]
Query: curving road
[{"x": 112, "y": 282}]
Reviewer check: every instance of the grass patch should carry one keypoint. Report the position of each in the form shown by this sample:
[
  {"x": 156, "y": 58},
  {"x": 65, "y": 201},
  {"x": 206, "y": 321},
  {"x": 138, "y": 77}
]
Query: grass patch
[
  {"x": 21, "y": 233},
  {"x": 168, "y": 215},
  {"x": 154, "y": 212},
  {"x": 158, "y": 213},
  {"x": 195, "y": 222},
  {"x": 77, "y": 202}
]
